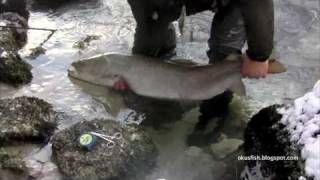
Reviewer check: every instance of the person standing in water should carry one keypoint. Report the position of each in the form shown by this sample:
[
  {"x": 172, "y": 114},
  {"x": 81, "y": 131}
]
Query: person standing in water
[{"x": 234, "y": 23}]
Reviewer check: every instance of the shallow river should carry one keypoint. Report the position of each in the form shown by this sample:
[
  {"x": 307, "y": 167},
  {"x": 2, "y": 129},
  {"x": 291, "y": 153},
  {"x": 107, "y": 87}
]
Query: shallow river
[{"x": 297, "y": 44}]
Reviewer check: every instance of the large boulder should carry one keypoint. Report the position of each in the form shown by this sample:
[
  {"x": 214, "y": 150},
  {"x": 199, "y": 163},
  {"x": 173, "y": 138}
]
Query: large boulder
[
  {"x": 26, "y": 119},
  {"x": 26, "y": 123},
  {"x": 283, "y": 142},
  {"x": 132, "y": 154}
]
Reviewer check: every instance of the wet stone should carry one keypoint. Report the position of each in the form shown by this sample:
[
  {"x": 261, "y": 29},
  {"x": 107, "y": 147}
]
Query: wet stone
[
  {"x": 27, "y": 120},
  {"x": 267, "y": 136},
  {"x": 225, "y": 147},
  {"x": 12, "y": 162},
  {"x": 12, "y": 39},
  {"x": 134, "y": 152},
  {"x": 43, "y": 171},
  {"x": 14, "y": 71}
]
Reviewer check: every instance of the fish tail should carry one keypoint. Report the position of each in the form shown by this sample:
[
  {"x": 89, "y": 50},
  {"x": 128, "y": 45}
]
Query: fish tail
[{"x": 276, "y": 67}]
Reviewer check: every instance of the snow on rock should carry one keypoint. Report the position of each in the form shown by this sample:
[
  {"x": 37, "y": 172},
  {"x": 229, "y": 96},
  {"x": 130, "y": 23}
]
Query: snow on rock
[
  {"x": 316, "y": 89},
  {"x": 303, "y": 122}
]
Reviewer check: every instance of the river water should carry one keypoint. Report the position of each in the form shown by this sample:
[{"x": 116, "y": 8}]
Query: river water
[{"x": 297, "y": 45}]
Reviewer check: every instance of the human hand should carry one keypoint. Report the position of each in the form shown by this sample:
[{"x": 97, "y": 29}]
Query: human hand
[{"x": 254, "y": 69}]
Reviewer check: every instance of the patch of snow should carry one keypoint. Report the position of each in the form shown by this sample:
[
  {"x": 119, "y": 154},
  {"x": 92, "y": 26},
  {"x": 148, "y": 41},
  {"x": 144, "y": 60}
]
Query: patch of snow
[
  {"x": 303, "y": 122},
  {"x": 316, "y": 89},
  {"x": 302, "y": 178},
  {"x": 311, "y": 154}
]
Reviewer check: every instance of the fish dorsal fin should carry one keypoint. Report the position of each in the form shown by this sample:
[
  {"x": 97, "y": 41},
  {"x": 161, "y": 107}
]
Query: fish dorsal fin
[{"x": 238, "y": 88}]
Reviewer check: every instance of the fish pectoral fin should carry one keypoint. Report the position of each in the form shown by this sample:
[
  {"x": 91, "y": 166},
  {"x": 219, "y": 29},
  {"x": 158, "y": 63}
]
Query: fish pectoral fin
[
  {"x": 121, "y": 84},
  {"x": 276, "y": 67},
  {"x": 238, "y": 88}
]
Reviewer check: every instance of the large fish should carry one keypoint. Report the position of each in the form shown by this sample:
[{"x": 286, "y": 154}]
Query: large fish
[{"x": 155, "y": 78}]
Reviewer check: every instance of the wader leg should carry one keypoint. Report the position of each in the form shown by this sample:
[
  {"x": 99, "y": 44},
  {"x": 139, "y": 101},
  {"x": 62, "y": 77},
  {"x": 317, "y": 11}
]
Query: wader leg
[
  {"x": 227, "y": 37},
  {"x": 155, "y": 35},
  {"x": 215, "y": 107},
  {"x": 157, "y": 41},
  {"x": 227, "y": 33}
]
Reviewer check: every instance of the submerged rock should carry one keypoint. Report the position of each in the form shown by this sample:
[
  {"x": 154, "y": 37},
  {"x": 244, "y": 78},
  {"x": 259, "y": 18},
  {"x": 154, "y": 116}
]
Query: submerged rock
[
  {"x": 225, "y": 147},
  {"x": 11, "y": 161},
  {"x": 85, "y": 42},
  {"x": 134, "y": 153},
  {"x": 288, "y": 138},
  {"x": 26, "y": 119},
  {"x": 43, "y": 171}
]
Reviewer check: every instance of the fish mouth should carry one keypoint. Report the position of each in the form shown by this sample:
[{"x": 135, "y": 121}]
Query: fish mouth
[{"x": 72, "y": 71}]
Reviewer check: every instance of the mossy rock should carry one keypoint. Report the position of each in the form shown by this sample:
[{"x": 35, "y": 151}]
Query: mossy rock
[
  {"x": 266, "y": 135},
  {"x": 12, "y": 39},
  {"x": 12, "y": 162},
  {"x": 132, "y": 154},
  {"x": 26, "y": 120},
  {"x": 14, "y": 71}
]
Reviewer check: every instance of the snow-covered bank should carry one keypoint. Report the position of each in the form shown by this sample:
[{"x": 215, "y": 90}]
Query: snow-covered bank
[
  {"x": 302, "y": 120},
  {"x": 291, "y": 130}
]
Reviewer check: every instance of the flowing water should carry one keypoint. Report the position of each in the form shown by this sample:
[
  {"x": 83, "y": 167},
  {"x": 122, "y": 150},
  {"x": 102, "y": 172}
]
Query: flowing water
[{"x": 297, "y": 44}]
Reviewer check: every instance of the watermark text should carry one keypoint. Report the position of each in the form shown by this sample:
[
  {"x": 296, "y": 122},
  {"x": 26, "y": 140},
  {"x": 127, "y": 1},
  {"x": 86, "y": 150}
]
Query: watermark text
[{"x": 267, "y": 158}]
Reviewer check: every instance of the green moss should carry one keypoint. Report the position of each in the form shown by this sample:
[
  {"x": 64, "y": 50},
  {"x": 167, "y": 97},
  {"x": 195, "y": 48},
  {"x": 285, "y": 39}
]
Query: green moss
[
  {"x": 26, "y": 119},
  {"x": 37, "y": 51},
  {"x": 12, "y": 161},
  {"x": 14, "y": 71},
  {"x": 8, "y": 41},
  {"x": 84, "y": 43}
]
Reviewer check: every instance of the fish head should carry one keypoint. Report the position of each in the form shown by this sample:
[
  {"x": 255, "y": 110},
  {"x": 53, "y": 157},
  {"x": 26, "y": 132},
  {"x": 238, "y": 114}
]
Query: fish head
[{"x": 95, "y": 70}]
